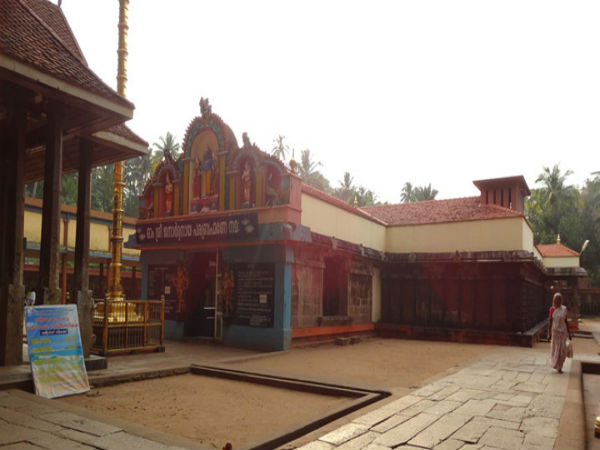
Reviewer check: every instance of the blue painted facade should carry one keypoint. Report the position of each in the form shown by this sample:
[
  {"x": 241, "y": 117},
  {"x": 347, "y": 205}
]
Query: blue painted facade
[{"x": 272, "y": 247}]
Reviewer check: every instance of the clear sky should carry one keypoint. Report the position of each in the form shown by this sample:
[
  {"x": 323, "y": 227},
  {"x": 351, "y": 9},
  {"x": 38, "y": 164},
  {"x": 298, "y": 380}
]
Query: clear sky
[{"x": 442, "y": 92}]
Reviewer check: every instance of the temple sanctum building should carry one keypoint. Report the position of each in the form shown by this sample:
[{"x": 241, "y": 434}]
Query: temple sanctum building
[{"x": 246, "y": 253}]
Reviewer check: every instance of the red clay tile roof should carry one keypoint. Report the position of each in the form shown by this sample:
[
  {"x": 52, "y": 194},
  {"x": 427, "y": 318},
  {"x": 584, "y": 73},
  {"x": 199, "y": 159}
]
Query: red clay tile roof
[
  {"x": 54, "y": 17},
  {"x": 439, "y": 211},
  {"x": 314, "y": 192},
  {"x": 124, "y": 131},
  {"x": 555, "y": 251},
  {"x": 27, "y": 35}
]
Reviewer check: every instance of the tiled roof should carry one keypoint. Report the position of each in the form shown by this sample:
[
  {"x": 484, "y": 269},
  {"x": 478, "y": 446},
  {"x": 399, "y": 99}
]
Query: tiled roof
[
  {"x": 27, "y": 34},
  {"x": 439, "y": 211},
  {"x": 556, "y": 251},
  {"x": 124, "y": 131},
  {"x": 53, "y": 16}
]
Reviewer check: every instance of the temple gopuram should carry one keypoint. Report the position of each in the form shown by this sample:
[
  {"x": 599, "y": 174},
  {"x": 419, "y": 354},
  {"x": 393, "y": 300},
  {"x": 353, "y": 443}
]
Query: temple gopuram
[{"x": 246, "y": 253}]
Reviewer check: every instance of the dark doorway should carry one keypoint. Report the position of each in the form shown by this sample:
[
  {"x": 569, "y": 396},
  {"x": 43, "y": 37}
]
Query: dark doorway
[
  {"x": 334, "y": 287},
  {"x": 200, "y": 297}
]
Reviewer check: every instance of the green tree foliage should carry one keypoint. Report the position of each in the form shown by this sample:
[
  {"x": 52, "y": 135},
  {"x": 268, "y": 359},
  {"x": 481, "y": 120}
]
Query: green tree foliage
[
  {"x": 102, "y": 188},
  {"x": 137, "y": 172},
  {"x": 364, "y": 197},
  {"x": 68, "y": 189},
  {"x": 167, "y": 144},
  {"x": 423, "y": 193},
  {"x": 412, "y": 193},
  {"x": 307, "y": 170},
  {"x": 348, "y": 192},
  {"x": 280, "y": 149},
  {"x": 556, "y": 209},
  {"x": 590, "y": 258},
  {"x": 346, "y": 188},
  {"x": 407, "y": 195}
]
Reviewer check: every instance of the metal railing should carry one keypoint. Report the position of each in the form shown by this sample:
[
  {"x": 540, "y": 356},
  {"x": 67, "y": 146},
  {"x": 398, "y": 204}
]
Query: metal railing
[{"x": 128, "y": 325}]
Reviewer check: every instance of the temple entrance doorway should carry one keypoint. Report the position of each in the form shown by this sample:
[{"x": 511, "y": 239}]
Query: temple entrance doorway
[{"x": 200, "y": 305}]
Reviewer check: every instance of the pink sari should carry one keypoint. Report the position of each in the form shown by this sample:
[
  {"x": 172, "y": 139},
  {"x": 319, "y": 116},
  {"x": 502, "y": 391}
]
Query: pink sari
[{"x": 559, "y": 338}]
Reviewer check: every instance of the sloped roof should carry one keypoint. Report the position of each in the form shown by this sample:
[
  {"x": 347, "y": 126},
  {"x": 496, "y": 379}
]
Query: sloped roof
[
  {"x": 314, "y": 192},
  {"x": 125, "y": 132},
  {"x": 35, "y": 33},
  {"x": 52, "y": 15},
  {"x": 439, "y": 211},
  {"x": 556, "y": 251}
]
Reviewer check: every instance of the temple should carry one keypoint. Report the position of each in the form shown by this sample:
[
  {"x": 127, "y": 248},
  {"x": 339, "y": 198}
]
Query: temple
[
  {"x": 56, "y": 116},
  {"x": 245, "y": 252}
]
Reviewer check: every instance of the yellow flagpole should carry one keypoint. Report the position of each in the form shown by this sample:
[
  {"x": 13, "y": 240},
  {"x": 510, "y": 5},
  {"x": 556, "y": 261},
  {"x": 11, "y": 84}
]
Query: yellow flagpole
[{"x": 115, "y": 289}]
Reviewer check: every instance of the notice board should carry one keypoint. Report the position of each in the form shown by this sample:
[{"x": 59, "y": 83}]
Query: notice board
[
  {"x": 55, "y": 350},
  {"x": 254, "y": 294}
]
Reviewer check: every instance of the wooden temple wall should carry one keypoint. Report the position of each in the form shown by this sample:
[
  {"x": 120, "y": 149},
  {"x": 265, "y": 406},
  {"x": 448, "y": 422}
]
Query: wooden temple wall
[{"x": 500, "y": 296}]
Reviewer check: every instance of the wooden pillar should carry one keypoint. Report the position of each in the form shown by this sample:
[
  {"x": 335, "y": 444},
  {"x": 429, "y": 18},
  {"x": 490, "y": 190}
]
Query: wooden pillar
[
  {"x": 50, "y": 246},
  {"x": 81, "y": 279},
  {"x": 63, "y": 261},
  {"x": 12, "y": 213}
]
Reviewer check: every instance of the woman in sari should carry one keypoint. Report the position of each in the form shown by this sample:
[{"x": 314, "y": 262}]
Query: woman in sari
[{"x": 558, "y": 328}]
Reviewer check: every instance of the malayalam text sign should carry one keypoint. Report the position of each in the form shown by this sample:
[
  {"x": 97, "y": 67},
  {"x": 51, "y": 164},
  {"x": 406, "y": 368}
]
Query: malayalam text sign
[
  {"x": 198, "y": 229},
  {"x": 55, "y": 350}
]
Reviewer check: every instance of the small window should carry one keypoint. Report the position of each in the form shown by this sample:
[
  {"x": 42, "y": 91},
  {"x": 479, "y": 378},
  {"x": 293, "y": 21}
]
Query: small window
[
  {"x": 502, "y": 197},
  {"x": 510, "y": 198},
  {"x": 495, "y": 197}
]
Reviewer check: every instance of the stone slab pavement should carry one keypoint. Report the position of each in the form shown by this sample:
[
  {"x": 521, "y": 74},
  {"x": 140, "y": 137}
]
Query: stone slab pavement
[
  {"x": 507, "y": 400},
  {"x": 31, "y": 422}
]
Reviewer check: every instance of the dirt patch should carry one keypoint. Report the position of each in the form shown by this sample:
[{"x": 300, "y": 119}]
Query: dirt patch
[
  {"x": 217, "y": 411},
  {"x": 212, "y": 411},
  {"x": 392, "y": 364}
]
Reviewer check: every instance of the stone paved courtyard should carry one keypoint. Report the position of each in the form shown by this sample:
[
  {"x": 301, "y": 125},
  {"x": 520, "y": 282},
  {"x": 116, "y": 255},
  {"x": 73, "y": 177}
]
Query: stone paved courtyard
[{"x": 504, "y": 401}]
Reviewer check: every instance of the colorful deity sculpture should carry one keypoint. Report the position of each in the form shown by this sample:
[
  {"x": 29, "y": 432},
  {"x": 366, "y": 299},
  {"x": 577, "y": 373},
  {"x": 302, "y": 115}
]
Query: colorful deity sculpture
[{"x": 168, "y": 196}]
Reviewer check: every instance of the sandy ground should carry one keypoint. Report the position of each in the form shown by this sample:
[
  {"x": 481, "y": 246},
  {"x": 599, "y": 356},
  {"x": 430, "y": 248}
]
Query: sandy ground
[
  {"x": 216, "y": 411},
  {"x": 208, "y": 410}
]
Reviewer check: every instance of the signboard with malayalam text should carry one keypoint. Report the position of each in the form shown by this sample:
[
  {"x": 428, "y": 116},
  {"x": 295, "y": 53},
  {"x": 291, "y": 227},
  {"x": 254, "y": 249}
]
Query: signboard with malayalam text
[
  {"x": 234, "y": 227},
  {"x": 55, "y": 350}
]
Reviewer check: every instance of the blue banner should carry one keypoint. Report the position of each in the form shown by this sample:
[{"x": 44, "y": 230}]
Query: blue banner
[{"x": 55, "y": 351}]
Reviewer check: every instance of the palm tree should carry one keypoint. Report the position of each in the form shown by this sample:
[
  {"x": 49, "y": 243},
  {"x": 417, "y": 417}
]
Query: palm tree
[
  {"x": 346, "y": 187},
  {"x": 423, "y": 193},
  {"x": 407, "y": 195},
  {"x": 167, "y": 144},
  {"x": 280, "y": 149},
  {"x": 307, "y": 170},
  {"x": 307, "y": 166},
  {"x": 554, "y": 189}
]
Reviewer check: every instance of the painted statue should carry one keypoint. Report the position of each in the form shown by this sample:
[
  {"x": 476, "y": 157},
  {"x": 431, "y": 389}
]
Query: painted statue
[
  {"x": 247, "y": 184},
  {"x": 272, "y": 191},
  {"x": 181, "y": 283},
  {"x": 208, "y": 166},
  {"x": 197, "y": 186},
  {"x": 168, "y": 196}
]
